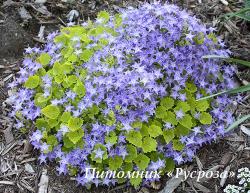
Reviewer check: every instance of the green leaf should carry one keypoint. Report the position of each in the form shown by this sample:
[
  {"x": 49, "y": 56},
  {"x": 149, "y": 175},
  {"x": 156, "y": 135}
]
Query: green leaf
[
  {"x": 184, "y": 106},
  {"x": 79, "y": 89},
  {"x": 192, "y": 103},
  {"x": 118, "y": 20},
  {"x": 135, "y": 138},
  {"x": 202, "y": 105},
  {"x": 199, "y": 38},
  {"x": 238, "y": 61},
  {"x": 148, "y": 144},
  {"x": 238, "y": 122},
  {"x": 41, "y": 123},
  {"x": 160, "y": 111},
  {"x": 75, "y": 123},
  {"x": 111, "y": 138},
  {"x": 132, "y": 153},
  {"x": 168, "y": 135},
  {"x": 72, "y": 79},
  {"x": 52, "y": 123},
  {"x": 44, "y": 59},
  {"x": 62, "y": 38},
  {"x": 115, "y": 163},
  {"x": 99, "y": 30},
  {"x": 170, "y": 117},
  {"x": 243, "y": 14},
  {"x": 86, "y": 55},
  {"x": 233, "y": 60},
  {"x": 105, "y": 155},
  {"x": 59, "y": 78},
  {"x": 85, "y": 38},
  {"x": 190, "y": 87},
  {"x": 57, "y": 69},
  {"x": 167, "y": 102},
  {"x": 32, "y": 82},
  {"x": 68, "y": 67},
  {"x": 57, "y": 91},
  {"x": 144, "y": 130},
  {"x": 127, "y": 166},
  {"x": 51, "y": 111},
  {"x": 205, "y": 118},
  {"x": 111, "y": 118},
  {"x": 41, "y": 72},
  {"x": 67, "y": 143},
  {"x": 170, "y": 164},
  {"x": 137, "y": 124},
  {"x": 65, "y": 117},
  {"x": 103, "y": 42},
  {"x": 177, "y": 145},
  {"x": 154, "y": 130},
  {"x": 180, "y": 130},
  {"x": 135, "y": 181},
  {"x": 212, "y": 37},
  {"x": 186, "y": 121},
  {"x": 51, "y": 140},
  {"x": 142, "y": 161},
  {"x": 72, "y": 170},
  {"x": 72, "y": 58},
  {"x": 83, "y": 73},
  {"x": 75, "y": 136},
  {"x": 232, "y": 91},
  {"x": 40, "y": 100},
  {"x": 155, "y": 156},
  {"x": 103, "y": 15}
]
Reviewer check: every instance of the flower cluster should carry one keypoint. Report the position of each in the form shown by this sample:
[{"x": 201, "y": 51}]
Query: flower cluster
[
  {"x": 244, "y": 182},
  {"x": 121, "y": 93}
]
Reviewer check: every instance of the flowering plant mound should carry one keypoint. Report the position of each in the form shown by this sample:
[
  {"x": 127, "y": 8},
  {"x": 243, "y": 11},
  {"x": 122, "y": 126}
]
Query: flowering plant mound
[
  {"x": 244, "y": 182},
  {"x": 120, "y": 93}
]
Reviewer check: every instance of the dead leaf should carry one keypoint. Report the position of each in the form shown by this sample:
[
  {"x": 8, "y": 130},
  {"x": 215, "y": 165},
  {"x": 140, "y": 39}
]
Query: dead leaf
[
  {"x": 40, "y": 8},
  {"x": 8, "y": 135},
  {"x": 7, "y": 182},
  {"x": 40, "y": 1},
  {"x": 245, "y": 130},
  {"x": 24, "y": 14},
  {"x": 212, "y": 170},
  {"x": 198, "y": 161},
  {"x": 201, "y": 187},
  {"x": 156, "y": 185},
  {"x": 41, "y": 32},
  {"x": 172, "y": 184},
  {"x": 73, "y": 14},
  {"x": 8, "y": 3},
  {"x": 226, "y": 158},
  {"x": 225, "y": 176},
  {"x": 27, "y": 147},
  {"x": 44, "y": 182},
  {"x": 29, "y": 168},
  {"x": 144, "y": 190}
]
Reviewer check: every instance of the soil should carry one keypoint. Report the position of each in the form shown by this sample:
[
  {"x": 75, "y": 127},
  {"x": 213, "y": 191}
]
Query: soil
[{"x": 16, "y": 32}]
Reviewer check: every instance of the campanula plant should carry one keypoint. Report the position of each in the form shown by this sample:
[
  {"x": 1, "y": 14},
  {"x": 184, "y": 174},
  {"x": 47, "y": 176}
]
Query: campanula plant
[{"x": 120, "y": 93}]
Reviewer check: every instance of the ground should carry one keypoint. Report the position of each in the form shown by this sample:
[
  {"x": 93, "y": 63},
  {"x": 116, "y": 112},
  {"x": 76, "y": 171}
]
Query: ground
[{"x": 20, "y": 22}]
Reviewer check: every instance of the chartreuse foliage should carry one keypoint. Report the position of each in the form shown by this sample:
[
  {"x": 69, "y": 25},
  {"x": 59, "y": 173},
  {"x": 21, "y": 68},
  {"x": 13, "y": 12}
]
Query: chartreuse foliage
[
  {"x": 101, "y": 96},
  {"x": 142, "y": 141},
  {"x": 66, "y": 76}
]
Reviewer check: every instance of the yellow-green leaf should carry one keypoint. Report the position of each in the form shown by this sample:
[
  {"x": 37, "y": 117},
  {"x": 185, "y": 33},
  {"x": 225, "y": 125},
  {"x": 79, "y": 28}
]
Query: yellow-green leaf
[
  {"x": 32, "y": 82},
  {"x": 51, "y": 111}
]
